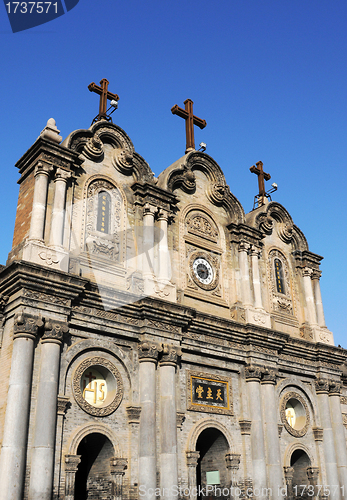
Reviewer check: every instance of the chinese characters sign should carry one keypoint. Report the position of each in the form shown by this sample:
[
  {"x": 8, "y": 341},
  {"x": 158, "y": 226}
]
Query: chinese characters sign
[{"x": 209, "y": 394}]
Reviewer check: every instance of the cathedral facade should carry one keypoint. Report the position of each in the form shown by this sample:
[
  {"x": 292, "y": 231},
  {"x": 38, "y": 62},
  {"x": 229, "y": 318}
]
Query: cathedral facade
[{"x": 156, "y": 340}]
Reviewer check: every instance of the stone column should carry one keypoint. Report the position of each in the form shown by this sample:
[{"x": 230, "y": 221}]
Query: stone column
[
  {"x": 168, "y": 421},
  {"x": 63, "y": 403},
  {"x": 322, "y": 390},
  {"x": 42, "y": 459},
  {"x": 288, "y": 475},
  {"x": 310, "y": 305},
  {"x": 192, "y": 462},
  {"x": 339, "y": 432},
  {"x": 58, "y": 212},
  {"x": 71, "y": 465},
  {"x": 164, "y": 257},
  {"x": 258, "y": 304},
  {"x": 232, "y": 462},
  {"x": 38, "y": 214},
  {"x": 313, "y": 475},
  {"x": 14, "y": 444},
  {"x": 274, "y": 465},
  {"x": 318, "y": 298},
  {"x": 148, "y": 357},
  {"x": 149, "y": 212},
  {"x": 244, "y": 270},
  {"x": 118, "y": 468},
  {"x": 253, "y": 376},
  {"x": 133, "y": 413}
]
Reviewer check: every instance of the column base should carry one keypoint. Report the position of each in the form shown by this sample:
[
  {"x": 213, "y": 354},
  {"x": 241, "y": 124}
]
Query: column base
[{"x": 39, "y": 253}]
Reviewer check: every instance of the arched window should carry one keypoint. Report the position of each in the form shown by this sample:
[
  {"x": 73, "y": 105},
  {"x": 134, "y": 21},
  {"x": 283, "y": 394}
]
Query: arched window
[
  {"x": 104, "y": 205},
  {"x": 279, "y": 276}
]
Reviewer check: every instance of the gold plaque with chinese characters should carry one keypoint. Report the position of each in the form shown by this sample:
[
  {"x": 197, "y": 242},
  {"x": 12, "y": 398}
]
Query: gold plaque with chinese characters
[{"x": 210, "y": 394}]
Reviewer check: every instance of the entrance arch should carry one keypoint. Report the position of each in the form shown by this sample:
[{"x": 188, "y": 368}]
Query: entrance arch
[
  {"x": 211, "y": 468},
  {"x": 300, "y": 462},
  {"x": 93, "y": 477}
]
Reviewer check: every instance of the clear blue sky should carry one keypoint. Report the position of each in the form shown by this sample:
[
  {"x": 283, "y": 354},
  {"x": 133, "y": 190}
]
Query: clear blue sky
[{"x": 268, "y": 76}]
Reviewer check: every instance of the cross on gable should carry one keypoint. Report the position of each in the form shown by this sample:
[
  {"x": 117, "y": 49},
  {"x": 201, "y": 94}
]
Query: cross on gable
[
  {"x": 104, "y": 95},
  {"x": 261, "y": 177},
  {"x": 191, "y": 120}
]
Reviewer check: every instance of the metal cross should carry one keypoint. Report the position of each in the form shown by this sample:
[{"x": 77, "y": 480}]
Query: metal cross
[
  {"x": 261, "y": 176},
  {"x": 104, "y": 95},
  {"x": 191, "y": 120}
]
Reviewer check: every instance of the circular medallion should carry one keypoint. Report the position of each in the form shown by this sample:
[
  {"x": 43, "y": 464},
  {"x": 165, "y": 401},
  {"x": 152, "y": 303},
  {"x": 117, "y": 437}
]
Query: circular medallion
[
  {"x": 203, "y": 270},
  {"x": 97, "y": 386},
  {"x": 294, "y": 414}
]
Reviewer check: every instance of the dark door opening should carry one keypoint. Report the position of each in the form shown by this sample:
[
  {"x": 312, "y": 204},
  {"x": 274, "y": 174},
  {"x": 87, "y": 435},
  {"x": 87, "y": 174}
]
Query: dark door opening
[{"x": 300, "y": 462}]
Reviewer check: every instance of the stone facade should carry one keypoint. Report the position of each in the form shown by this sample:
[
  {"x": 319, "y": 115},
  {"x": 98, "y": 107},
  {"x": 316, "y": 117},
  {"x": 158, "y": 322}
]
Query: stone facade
[{"x": 157, "y": 339}]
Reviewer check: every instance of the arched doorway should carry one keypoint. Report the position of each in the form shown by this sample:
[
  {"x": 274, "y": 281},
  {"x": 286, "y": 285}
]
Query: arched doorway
[
  {"x": 211, "y": 468},
  {"x": 93, "y": 477},
  {"x": 300, "y": 462}
]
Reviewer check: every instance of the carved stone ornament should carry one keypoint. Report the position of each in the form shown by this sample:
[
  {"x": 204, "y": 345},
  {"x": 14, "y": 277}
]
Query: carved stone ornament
[
  {"x": 245, "y": 426},
  {"x": 123, "y": 161},
  {"x": 115, "y": 391},
  {"x": 280, "y": 302},
  {"x": 93, "y": 149},
  {"x": 49, "y": 257},
  {"x": 54, "y": 331},
  {"x": 216, "y": 192},
  {"x": 180, "y": 418},
  {"x": 322, "y": 386},
  {"x": 285, "y": 231},
  {"x": 149, "y": 351},
  {"x": 118, "y": 466},
  {"x": 280, "y": 429},
  {"x": 43, "y": 169},
  {"x": 213, "y": 261},
  {"x": 63, "y": 403},
  {"x": 266, "y": 223},
  {"x": 334, "y": 388},
  {"x": 253, "y": 373},
  {"x": 3, "y": 301},
  {"x": 133, "y": 413},
  {"x": 170, "y": 355},
  {"x": 201, "y": 225},
  {"x": 299, "y": 431},
  {"x": 72, "y": 462},
  {"x": 26, "y": 325},
  {"x": 61, "y": 174},
  {"x": 343, "y": 400}
]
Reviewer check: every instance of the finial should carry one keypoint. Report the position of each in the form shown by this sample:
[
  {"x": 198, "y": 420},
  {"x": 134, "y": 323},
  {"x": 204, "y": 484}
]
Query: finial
[{"x": 50, "y": 132}]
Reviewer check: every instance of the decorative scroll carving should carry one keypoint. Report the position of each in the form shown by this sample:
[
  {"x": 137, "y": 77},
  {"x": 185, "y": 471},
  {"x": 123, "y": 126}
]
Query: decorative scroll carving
[
  {"x": 334, "y": 388},
  {"x": 116, "y": 394},
  {"x": 49, "y": 257},
  {"x": 26, "y": 325},
  {"x": 200, "y": 225},
  {"x": 269, "y": 377},
  {"x": 184, "y": 178},
  {"x": 285, "y": 231},
  {"x": 322, "y": 386},
  {"x": 149, "y": 351},
  {"x": 281, "y": 302},
  {"x": 165, "y": 327},
  {"x": 54, "y": 331},
  {"x": 294, "y": 432},
  {"x": 93, "y": 149},
  {"x": 123, "y": 161},
  {"x": 265, "y": 223},
  {"x": 171, "y": 355},
  {"x": 52, "y": 299}
]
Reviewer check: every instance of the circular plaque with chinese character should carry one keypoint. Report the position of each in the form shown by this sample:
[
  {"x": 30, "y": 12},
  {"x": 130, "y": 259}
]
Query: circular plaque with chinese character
[{"x": 97, "y": 386}]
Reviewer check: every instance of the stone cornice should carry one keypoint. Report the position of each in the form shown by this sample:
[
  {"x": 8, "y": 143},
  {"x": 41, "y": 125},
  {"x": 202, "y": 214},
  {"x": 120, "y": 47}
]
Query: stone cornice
[
  {"x": 244, "y": 233},
  {"x": 307, "y": 259},
  {"x": 48, "y": 153},
  {"x": 150, "y": 193}
]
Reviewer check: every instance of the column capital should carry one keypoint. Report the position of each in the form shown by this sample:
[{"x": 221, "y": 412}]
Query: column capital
[
  {"x": 192, "y": 458},
  {"x": 243, "y": 246},
  {"x": 269, "y": 376},
  {"x": 318, "y": 433},
  {"x": 180, "y": 418},
  {"x": 307, "y": 271},
  {"x": 72, "y": 462},
  {"x": 133, "y": 413},
  {"x": 3, "y": 301},
  {"x": 43, "y": 169},
  {"x": 255, "y": 251},
  {"x": 322, "y": 386},
  {"x": 63, "y": 403},
  {"x": 163, "y": 214},
  {"x": 149, "y": 209},
  {"x": 253, "y": 373},
  {"x": 149, "y": 351},
  {"x": 62, "y": 175},
  {"x": 313, "y": 473},
  {"x": 232, "y": 460},
  {"x": 26, "y": 325},
  {"x": 54, "y": 331},
  {"x": 171, "y": 355},
  {"x": 316, "y": 274},
  {"x": 334, "y": 388},
  {"x": 288, "y": 473},
  {"x": 245, "y": 426},
  {"x": 118, "y": 466}
]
